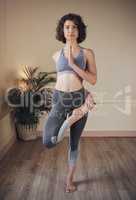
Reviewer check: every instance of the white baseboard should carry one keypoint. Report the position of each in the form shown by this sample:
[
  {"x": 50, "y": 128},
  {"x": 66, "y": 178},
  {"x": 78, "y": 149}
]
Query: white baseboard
[{"x": 106, "y": 133}]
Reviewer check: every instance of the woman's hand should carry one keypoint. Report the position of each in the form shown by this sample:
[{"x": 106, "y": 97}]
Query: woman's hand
[{"x": 70, "y": 56}]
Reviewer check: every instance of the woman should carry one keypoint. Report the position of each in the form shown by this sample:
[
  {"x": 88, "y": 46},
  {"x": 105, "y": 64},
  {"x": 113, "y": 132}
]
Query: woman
[{"x": 73, "y": 64}]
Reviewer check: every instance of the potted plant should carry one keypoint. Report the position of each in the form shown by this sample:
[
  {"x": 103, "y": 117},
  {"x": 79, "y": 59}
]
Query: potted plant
[{"x": 29, "y": 100}]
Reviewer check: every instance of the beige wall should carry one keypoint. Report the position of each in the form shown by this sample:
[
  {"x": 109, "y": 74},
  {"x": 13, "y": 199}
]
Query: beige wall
[{"x": 28, "y": 37}]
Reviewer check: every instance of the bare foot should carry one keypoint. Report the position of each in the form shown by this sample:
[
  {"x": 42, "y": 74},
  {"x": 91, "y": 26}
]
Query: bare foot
[
  {"x": 70, "y": 187},
  {"x": 82, "y": 110}
]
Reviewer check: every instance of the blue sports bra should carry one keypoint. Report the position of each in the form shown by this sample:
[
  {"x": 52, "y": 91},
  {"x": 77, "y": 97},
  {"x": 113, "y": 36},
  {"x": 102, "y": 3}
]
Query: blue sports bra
[{"x": 62, "y": 62}]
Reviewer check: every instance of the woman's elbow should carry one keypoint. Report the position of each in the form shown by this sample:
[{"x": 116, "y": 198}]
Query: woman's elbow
[{"x": 94, "y": 81}]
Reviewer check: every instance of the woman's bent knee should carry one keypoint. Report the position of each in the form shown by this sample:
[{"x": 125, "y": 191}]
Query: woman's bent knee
[{"x": 48, "y": 143}]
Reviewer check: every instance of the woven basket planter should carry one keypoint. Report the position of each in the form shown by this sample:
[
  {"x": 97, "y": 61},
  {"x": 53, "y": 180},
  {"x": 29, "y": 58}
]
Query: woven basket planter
[
  {"x": 31, "y": 133},
  {"x": 26, "y": 133}
]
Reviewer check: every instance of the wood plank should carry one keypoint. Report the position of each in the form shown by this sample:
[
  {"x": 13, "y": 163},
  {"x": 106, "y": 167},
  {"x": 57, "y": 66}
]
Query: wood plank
[{"x": 106, "y": 170}]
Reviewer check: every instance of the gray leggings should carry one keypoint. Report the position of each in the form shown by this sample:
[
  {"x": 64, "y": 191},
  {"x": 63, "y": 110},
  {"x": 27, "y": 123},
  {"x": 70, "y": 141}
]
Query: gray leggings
[{"x": 63, "y": 103}]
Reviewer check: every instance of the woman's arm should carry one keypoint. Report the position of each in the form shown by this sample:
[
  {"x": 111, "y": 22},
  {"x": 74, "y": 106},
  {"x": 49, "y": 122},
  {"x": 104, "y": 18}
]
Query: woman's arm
[
  {"x": 55, "y": 56},
  {"x": 90, "y": 74}
]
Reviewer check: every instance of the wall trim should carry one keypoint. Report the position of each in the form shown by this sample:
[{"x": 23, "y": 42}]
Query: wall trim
[{"x": 107, "y": 133}]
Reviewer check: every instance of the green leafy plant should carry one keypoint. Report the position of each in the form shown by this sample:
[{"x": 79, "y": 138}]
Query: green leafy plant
[{"x": 30, "y": 98}]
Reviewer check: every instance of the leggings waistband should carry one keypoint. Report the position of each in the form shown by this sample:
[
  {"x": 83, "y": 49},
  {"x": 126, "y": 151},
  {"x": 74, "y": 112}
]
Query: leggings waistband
[{"x": 71, "y": 92}]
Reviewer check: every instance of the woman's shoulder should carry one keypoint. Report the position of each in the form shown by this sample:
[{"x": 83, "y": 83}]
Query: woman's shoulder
[
  {"x": 56, "y": 55},
  {"x": 88, "y": 51}
]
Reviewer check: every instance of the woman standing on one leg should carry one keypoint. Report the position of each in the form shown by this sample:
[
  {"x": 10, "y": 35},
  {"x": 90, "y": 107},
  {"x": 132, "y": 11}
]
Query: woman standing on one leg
[
  {"x": 73, "y": 64},
  {"x": 77, "y": 114}
]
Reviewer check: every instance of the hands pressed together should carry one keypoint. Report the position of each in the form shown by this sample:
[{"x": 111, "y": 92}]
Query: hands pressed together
[{"x": 70, "y": 56}]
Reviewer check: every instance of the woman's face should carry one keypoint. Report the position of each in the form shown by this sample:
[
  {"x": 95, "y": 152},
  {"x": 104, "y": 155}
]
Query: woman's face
[{"x": 70, "y": 30}]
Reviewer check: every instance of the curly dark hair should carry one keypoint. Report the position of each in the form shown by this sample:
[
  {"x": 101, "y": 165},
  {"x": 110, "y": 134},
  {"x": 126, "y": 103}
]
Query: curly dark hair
[{"x": 77, "y": 19}]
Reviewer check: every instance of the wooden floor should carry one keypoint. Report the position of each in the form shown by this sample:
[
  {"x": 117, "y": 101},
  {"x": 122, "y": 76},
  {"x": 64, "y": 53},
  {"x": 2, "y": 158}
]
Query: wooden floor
[{"x": 106, "y": 171}]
